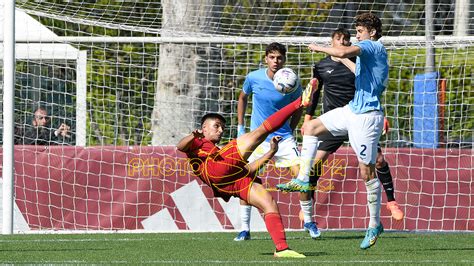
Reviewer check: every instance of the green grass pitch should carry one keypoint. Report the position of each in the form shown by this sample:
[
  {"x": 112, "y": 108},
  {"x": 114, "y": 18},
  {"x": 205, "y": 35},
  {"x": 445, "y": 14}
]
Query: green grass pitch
[{"x": 334, "y": 247}]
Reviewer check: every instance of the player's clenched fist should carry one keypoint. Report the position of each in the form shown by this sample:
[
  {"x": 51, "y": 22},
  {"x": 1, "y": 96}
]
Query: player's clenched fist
[
  {"x": 274, "y": 143},
  {"x": 198, "y": 133}
]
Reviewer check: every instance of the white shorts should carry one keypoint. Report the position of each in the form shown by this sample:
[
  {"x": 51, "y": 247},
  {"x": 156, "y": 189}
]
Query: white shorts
[
  {"x": 364, "y": 130},
  {"x": 286, "y": 156}
]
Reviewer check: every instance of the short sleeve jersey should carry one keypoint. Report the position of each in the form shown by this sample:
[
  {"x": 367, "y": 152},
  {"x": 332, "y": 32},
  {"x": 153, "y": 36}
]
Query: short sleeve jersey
[
  {"x": 371, "y": 77},
  {"x": 201, "y": 148},
  {"x": 266, "y": 100},
  {"x": 198, "y": 153},
  {"x": 223, "y": 170}
]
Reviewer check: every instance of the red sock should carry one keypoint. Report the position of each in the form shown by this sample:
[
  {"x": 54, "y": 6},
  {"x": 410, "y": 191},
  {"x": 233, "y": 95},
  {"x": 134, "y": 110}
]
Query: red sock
[
  {"x": 276, "y": 230},
  {"x": 276, "y": 120}
]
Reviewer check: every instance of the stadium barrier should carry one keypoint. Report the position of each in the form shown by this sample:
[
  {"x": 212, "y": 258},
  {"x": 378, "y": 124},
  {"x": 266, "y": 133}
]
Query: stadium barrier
[{"x": 152, "y": 188}]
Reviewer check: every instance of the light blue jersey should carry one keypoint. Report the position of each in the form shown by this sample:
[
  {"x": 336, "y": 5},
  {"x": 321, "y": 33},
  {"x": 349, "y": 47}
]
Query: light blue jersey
[
  {"x": 266, "y": 100},
  {"x": 371, "y": 77}
]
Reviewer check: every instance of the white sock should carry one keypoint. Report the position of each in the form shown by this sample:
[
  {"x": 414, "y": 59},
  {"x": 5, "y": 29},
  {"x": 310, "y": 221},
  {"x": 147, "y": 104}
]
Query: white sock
[
  {"x": 308, "y": 152},
  {"x": 245, "y": 211},
  {"x": 307, "y": 208},
  {"x": 373, "y": 201}
]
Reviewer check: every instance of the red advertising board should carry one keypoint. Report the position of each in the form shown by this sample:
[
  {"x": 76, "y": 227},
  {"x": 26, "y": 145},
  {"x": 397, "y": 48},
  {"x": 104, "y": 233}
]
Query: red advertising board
[{"x": 129, "y": 188}]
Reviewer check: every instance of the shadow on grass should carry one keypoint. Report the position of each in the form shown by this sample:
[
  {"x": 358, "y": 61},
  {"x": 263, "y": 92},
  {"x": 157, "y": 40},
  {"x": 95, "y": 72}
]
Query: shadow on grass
[
  {"x": 322, "y": 238},
  {"x": 307, "y": 254},
  {"x": 361, "y": 236},
  {"x": 325, "y": 237}
]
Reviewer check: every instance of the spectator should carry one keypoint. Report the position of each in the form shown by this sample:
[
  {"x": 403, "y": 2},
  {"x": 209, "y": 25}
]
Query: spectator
[{"x": 40, "y": 131}]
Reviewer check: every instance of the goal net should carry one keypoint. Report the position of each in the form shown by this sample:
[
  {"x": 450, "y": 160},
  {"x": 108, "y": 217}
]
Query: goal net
[{"x": 131, "y": 78}]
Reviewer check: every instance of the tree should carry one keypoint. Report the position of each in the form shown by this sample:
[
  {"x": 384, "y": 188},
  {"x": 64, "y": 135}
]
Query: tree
[{"x": 188, "y": 77}]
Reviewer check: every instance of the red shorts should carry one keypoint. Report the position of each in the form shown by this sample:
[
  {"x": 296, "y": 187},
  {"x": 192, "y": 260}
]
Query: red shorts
[{"x": 226, "y": 173}]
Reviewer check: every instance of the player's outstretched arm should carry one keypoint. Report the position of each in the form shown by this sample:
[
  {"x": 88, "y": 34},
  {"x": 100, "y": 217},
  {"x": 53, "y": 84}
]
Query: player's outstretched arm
[
  {"x": 262, "y": 161},
  {"x": 349, "y": 64},
  {"x": 185, "y": 143},
  {"x": 342, "y": 52}
]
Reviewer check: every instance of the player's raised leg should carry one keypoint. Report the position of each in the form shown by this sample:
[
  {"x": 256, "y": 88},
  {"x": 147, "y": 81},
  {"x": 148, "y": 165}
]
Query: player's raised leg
[
  {"x": 312, "y": 129},
  {"x": 248, "y": 142}
]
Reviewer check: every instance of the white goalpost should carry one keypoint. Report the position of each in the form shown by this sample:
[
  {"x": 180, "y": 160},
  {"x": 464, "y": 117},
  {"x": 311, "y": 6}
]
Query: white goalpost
[
  {"x": 132, "y": 78},
  {"x": 27, "y": 29},
  {"x": 9, "y": 84}
]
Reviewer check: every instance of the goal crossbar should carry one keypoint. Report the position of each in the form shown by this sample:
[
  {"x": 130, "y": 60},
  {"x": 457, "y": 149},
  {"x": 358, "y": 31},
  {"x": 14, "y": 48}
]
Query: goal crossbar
[{"x": 241, "y": 40}]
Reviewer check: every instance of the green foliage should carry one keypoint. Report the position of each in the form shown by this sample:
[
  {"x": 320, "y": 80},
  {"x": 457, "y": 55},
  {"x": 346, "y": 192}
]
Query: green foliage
[
  {"x": 121, "y": 77},
  {"x": 123, "y": 95},
  {"x": 454, "y": 65},
  {"x": 287, "y": 18}
]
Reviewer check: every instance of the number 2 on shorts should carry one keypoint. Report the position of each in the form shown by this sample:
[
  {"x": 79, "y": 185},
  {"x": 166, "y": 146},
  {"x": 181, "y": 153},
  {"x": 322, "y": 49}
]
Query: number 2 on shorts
[{"x": 362, "y": 152}]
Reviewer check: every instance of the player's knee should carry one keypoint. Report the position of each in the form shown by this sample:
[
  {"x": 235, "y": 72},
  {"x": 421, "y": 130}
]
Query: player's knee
[
  {"x": 304, "y": 128},
  {"x": 305, "y": 196},
  {"x": 314, "y": 127},
  {"x": 309, "y": 128},
  {"x": 380, "y": 162},
  {"x": 366, "y": 172},
  {"x": 365, "y": 176},
  {"x": 270, "y": 207},
  {"x": 294, "y": 170}
]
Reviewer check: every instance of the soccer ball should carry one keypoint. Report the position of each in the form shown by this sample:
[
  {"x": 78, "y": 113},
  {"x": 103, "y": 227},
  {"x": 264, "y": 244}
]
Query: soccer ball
[{"x": 285, "y": 80}]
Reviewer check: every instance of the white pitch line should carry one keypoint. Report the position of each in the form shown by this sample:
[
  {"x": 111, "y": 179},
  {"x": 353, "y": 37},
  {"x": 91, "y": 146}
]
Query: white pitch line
[
  {"x": 273, "y": 261},
  {"x": 292, "y": 261},
  {"x": 125, "y": 239},
  {"x": 67, "y": 240}
]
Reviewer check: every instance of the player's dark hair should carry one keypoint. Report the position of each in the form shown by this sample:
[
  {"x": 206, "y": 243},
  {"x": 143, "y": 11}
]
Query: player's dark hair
[
  {"x": 371, "y": 22},
  {"x": 212, "y": 116},
  {"x": 341, "y": 31},
  {"x": 275, "y": 46}
]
